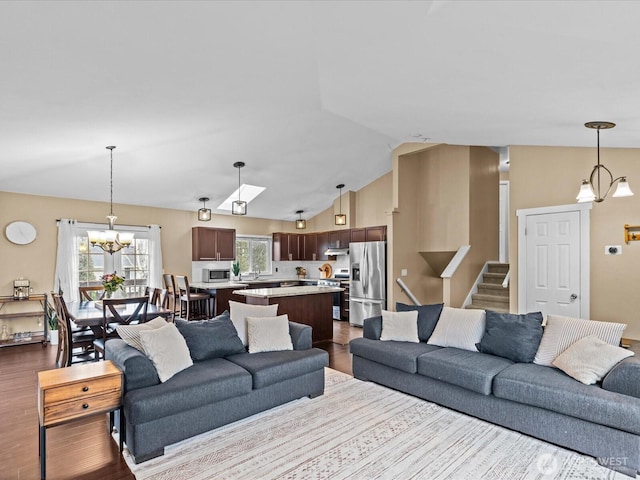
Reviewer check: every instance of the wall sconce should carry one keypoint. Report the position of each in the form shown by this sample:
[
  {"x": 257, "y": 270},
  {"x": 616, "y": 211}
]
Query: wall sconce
[
  {"x": 587, "y": 191},
  {"x": 341, "y": 218},
  {"x": 204, "y": 214},
  {"x": 300, "y": 223},
  {"x": 238, "y": 207}
]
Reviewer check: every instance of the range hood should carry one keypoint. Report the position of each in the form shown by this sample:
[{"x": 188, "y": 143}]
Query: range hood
[{"x": 337, "y": 251}]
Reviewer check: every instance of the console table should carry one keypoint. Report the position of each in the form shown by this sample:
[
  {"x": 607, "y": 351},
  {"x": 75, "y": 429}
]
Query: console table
[{"x": 33, "y": 311}]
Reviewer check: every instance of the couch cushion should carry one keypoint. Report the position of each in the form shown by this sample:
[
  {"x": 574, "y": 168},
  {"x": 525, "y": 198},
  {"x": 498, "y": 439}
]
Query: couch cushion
[
  {"x": 428, "y": 316},
  {"x": 399, "y": 326},
  {"x": 201, "y": 384},
  {"x": 512, "y": 336},
  {"x": 400, "y": 355},
  {"x": 551, "y": 389},
  {"x": 214, "y": 338},
  {"x": 471, "y": 370},
  {"x": 623, "y": 378},
  {"x": 268, "y": 368}
]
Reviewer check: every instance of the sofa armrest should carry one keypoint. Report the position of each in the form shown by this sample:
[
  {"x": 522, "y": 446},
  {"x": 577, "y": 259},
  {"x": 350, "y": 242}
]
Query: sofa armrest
[
  {"x": 300, "y": 336},
  {"x": 625, "y": 376},
  {"x": 137, "y": 369},
  {"x": 372, "y": 328}
]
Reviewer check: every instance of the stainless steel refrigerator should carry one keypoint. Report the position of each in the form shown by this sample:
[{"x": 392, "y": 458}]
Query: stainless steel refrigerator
[{"x": 367, "y": 281}]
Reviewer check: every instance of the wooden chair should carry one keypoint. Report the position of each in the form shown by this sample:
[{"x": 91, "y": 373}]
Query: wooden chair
[
  {"x": 158, "y": 297},
  {"x": 193, "y": 305},
  {"x": 173, "y": 294},
  {"x": 119, "y": 311},
  {"x": 88, "y": 294},
  {"x": 74, "y": 346}
]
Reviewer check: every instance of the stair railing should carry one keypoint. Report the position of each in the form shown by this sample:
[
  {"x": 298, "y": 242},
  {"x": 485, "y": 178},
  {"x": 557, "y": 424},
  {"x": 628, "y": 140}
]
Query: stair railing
[
  {"x": 505, "y": 282},
  {"x": 408, "y": 291}
]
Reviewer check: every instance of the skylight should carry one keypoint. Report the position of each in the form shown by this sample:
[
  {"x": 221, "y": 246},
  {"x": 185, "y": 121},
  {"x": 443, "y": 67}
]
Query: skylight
[{"x": 247, "y": 194}]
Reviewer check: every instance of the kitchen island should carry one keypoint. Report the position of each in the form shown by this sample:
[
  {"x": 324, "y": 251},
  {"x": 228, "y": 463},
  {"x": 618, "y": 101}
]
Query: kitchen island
[
  {"x": 221, "y": 293},
  {"x": 310, "y": 305}
]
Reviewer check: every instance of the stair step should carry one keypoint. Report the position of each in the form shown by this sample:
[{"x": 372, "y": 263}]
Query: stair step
[
  {"x": 495, "y": 309},
  {"x": 494, "y": 278},
  {"x": 498, "y": 268},
  {"x": 493, "y": 289},
  {"x": 490, "y": 301}
]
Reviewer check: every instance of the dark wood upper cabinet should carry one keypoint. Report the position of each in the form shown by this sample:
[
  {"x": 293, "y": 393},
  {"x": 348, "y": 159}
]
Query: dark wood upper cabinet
[
  {"x": 309, "y": 246},
  {"x": 340, "y": 238},
  {"x": 286, "y": 246},
  {"x": 358, "y": 235},
  {"x": 322, "y": 243},
  {"x": 213, "y": 243},
  {"x": 376, "y": 234}
]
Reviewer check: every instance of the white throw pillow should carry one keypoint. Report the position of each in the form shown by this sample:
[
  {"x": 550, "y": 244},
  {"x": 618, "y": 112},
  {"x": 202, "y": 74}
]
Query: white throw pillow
[
  {"x": 590, "y": 359},
  {"x": 269, "y": 334},
  {"x": 400, "y": 326},
  {"x": 167, "y": 350},
  {"x": 460, "y": 328},
  {"x": 131, "y": 333},
  {"x": 240, "y": 311},
  {"x": 562, "y": 332}
]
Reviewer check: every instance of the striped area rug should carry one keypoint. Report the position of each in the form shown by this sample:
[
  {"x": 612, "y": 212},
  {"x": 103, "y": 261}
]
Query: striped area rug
[{"x": 360, "y": 430}]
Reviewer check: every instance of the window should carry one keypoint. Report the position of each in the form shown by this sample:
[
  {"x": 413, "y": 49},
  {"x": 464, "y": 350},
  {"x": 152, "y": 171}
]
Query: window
[
  {"x": 254, "y": 254},
  {"x": 132, "y": 263}
]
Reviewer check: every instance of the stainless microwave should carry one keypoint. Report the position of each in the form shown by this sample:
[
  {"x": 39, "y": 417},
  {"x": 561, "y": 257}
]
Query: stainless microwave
[{"x": 211, "y": 275}]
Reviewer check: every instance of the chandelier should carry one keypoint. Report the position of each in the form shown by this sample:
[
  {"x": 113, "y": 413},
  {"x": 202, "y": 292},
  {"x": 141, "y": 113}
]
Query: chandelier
[
  {"x": 590, "y": 191},
  {"x": 238, "y": 207},
  {"x": 109, "y": 240}
]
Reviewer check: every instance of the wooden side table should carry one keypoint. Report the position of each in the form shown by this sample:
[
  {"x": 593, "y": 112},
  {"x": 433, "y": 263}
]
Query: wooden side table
[{"x": 71, "y": 393}]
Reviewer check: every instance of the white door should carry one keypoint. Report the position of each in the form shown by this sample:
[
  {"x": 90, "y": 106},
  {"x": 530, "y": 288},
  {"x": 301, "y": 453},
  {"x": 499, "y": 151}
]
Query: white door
[{"x": 553, "y": 261}]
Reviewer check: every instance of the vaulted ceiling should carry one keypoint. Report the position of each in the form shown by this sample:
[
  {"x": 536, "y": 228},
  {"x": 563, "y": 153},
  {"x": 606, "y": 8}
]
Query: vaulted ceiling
[{"x": 307, "y": 94}]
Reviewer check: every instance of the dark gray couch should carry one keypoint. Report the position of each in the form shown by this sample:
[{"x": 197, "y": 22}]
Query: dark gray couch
[
  {"x": 601, "y": 420},
  {"x": 213, "y": 392}
]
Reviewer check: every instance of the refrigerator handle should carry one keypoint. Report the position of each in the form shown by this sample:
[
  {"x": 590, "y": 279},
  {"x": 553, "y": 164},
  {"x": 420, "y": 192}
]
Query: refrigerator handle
[
  {"x": 365, "y": 269},
  {"x": 366, "y": 300}
]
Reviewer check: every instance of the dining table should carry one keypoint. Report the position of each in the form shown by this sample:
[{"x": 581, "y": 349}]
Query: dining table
[{"x": 88, "y": 314}]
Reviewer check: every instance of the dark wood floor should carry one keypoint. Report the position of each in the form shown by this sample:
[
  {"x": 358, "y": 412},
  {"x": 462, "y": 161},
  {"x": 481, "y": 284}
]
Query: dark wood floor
[{"x": 82, "y": 449}]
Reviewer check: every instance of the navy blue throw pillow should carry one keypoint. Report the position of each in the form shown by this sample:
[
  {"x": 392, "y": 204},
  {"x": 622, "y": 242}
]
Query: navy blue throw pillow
[
  {"x": 512, "y": 336},
  {"x": 428, "y": 316},
  {"x": 214, "y": 338}
]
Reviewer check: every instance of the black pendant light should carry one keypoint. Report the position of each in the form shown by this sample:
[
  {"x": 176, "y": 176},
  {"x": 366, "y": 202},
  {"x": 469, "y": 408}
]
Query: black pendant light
[
  {"x": 341, "y": 218},
  {"x": 238, "y": 207},
  {"x": 204, "y": 214},
  {"x": 300, "y": 223}
]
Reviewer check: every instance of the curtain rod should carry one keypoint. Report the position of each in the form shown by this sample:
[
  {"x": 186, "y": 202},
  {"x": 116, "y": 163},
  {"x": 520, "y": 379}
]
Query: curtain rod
[{"x": 58, "y": 220}]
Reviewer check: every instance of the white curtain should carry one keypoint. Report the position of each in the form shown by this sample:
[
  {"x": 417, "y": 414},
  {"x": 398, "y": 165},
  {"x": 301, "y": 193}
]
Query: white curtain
[
  {"x": 66, "y": 275},
  {"x": 155, "y": 257}
]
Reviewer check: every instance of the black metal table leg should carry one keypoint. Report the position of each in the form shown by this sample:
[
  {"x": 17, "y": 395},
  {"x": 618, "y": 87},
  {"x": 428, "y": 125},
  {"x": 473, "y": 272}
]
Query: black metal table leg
[{"x": 43, "y": 452}]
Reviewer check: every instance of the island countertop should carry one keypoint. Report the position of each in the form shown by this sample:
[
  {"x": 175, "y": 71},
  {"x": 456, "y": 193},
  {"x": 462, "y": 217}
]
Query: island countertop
[
  {"x": 286, "y": 291},
  {"x": 217, "y": 285}
]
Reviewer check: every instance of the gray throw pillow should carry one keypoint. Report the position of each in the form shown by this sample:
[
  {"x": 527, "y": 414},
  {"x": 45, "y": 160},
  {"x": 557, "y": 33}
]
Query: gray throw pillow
[
  {"x": 214, "y": 338},
  {"x": 512, "y": 336},
  {"x": 428, "y": 316}
]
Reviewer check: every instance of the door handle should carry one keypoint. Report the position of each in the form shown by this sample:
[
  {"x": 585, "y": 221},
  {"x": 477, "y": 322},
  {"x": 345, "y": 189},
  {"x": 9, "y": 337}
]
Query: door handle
[{"x": 573, "y": 296}]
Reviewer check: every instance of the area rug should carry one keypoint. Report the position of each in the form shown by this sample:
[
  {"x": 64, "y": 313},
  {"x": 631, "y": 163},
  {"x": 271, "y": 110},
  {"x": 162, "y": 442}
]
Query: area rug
[{"x": 360, "y": 430}]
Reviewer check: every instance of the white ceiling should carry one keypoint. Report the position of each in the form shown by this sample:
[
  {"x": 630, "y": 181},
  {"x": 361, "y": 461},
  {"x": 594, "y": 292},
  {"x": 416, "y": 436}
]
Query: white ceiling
[{"x": 308, "y": 94}]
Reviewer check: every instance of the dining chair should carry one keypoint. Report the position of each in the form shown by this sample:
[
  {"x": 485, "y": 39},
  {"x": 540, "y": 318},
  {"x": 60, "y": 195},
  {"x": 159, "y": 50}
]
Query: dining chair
[
  {"x": 193, "y": 306},
  {"x": 74, "y": 346},
  {"x": 173, "y": 293},
  {"x": 158, "y": 297},
  {"x": 119, "y": 311},
  {"x": 88, "y": 294}
]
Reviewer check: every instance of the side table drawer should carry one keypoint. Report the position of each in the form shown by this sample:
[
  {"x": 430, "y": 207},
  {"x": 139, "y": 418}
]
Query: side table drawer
[
  {"x": 79, "y": 407},
  {"x": 86, "y": 388}
]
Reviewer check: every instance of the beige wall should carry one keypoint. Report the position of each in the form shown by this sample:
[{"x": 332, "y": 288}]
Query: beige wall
[
  {"x": 36, "y": 261},
  {"x": 548, "y": 176}
]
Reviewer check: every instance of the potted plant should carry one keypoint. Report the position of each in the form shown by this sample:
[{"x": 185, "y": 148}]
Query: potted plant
[
  {"x": 52, "y": 319},
  {"x": 112, "y": 283},
  {"x": 301, "y": 272},
  {"x": 235, "y": 267}
]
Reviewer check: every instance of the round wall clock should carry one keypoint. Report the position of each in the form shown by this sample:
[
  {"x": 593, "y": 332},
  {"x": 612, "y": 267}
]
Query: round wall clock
[{"x": 20, "y": 233}]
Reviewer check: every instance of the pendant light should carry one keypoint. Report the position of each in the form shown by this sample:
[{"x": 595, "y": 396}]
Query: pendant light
[
  {"x": 204, "y": 213},
  {"x": 341, "y": 218},
  {"x": 238, "y": 207},
  {"x": 110, "y": 240},
  {"x": 300, "y": 223},
  {"x": 590, "y": 192}
]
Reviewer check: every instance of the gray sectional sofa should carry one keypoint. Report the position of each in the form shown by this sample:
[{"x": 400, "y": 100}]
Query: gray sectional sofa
[
  {"x": 601, "y": 420},
  {"x": 212, "y": 392}
]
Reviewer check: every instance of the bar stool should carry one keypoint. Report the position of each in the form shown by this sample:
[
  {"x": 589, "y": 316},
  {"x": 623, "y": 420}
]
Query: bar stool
[
  {"x": 192, "y": 305},
  {"x": 173, "y": 295}
]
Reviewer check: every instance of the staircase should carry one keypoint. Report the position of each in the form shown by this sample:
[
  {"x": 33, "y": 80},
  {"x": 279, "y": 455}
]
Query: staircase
[{"x": 491, "y": 295}]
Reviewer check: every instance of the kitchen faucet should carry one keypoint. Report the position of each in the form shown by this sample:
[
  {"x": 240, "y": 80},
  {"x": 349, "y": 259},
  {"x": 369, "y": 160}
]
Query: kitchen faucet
[{"x": 256, "y": 272}]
